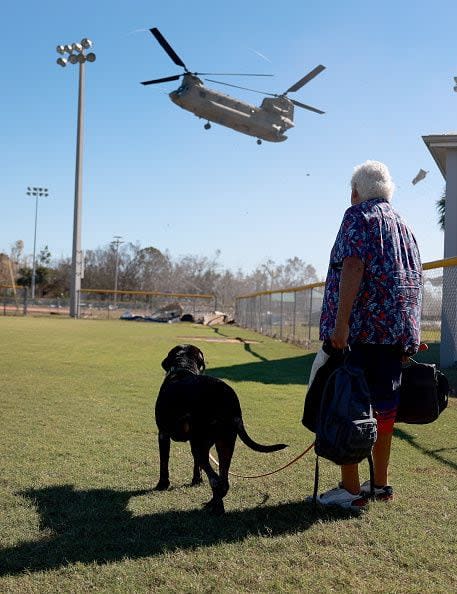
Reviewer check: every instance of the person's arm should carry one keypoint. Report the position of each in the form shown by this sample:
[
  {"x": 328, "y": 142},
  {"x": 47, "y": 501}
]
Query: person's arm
[{"x": 351, "y": 277}]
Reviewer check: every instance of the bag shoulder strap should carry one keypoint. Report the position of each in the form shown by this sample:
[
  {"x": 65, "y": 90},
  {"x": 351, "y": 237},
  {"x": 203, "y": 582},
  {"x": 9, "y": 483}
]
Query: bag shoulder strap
[{"x": 316, "y": 482}]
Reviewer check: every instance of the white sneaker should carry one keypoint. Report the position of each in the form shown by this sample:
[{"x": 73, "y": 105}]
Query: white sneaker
[
  {"x": 381, "y": 493},
  {"x": 341, "y": 498}
]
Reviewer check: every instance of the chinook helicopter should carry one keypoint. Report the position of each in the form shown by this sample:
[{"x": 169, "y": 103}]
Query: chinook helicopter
[{"x": 267, "y": 122}]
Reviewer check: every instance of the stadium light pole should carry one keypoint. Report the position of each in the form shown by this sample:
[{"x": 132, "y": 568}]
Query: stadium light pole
[
  {"x": 36, "y": 193},
  {"x": 116, "y": 243},
  {"x": 77, "y": 55}
]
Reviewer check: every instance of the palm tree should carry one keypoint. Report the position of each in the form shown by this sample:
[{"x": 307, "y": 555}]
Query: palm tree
[{"x": 441, "y": 207}]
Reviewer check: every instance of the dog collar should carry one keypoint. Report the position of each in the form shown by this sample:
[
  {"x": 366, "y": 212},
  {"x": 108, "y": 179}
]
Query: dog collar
[{"x": 177, "y": 370}]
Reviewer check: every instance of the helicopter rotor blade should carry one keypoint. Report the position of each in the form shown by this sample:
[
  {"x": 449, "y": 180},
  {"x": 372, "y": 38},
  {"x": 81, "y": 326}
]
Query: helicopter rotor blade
[
  {"x": 219, "y": 82},
  {"x": 167, "y": 47},
  {"x": 161, "y": 80},
  {"x": 228, "y": 74},
  {"x": 299, "y": 84},
  {"x": 309, "y": 107}
]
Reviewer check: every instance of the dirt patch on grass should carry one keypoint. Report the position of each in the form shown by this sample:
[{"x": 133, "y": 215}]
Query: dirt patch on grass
[{"x": 210, "y": 339}]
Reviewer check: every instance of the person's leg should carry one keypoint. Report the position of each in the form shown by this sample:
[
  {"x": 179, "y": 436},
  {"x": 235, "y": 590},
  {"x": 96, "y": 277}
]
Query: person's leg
[
  {"x": 381, "y": 456},
  {"x": 350, "y": 478},
  {"x": 382, "y": 367}
]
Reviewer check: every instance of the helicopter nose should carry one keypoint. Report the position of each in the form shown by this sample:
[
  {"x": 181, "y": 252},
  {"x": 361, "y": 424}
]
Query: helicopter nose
[{"x": 175, "y": 97}]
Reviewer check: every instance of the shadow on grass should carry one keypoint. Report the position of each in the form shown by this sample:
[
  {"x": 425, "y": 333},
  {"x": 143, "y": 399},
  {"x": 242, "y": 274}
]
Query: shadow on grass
[
  {"x": 435, "y": 454},
  {"x": 293, "y": 370},
  {"x": 95, "y": 526}
]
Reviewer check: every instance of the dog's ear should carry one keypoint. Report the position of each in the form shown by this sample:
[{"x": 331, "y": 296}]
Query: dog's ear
[
  {"x": 168, "y": 361},
  {"x": 200, "y": 361}
]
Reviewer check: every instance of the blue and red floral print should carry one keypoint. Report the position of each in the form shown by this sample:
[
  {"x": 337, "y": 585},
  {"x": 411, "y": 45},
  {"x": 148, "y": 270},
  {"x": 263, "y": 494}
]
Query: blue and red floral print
[{"x": 388, "y": 305}]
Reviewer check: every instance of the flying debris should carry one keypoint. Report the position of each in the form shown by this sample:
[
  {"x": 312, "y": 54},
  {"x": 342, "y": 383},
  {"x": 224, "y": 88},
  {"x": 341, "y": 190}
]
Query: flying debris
[{"x": 419, "y": 177}]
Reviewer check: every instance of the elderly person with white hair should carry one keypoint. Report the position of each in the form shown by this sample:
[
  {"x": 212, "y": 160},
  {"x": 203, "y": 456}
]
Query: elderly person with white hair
[{"x": 372, "y": 304}]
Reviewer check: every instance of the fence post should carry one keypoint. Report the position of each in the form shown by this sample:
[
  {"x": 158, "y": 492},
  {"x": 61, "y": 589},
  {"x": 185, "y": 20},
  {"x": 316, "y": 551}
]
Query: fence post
[
  {"x": 294, "y": 318},
  {"x": 260, "y": 314},
  {"x": 280, "y": 317},
  {"x": 25, "y": 304},
  {"x": 310, "y": 314}
]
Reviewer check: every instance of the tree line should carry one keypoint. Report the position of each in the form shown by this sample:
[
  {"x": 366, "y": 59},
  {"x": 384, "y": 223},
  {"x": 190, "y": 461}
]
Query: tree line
[{"x": 148, "y": 269}]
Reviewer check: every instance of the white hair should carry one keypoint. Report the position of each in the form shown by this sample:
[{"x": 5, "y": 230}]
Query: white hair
[{"x": 372, "y": 180}]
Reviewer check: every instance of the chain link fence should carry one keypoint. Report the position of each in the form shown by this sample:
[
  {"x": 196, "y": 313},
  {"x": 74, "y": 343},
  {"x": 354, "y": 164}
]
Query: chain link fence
[
  {"x": 13, "y": 300},
  {"x": 145, "y": 305},
  {"x": 293, "y": 314},
  {"x": 105, "y": 305}
]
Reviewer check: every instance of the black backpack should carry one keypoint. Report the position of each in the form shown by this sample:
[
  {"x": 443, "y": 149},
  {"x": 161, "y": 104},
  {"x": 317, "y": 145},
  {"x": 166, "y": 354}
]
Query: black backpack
[{"x": 346, "y": 429}]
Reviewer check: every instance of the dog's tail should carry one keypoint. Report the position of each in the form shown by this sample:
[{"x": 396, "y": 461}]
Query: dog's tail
[{"x": 253, "y": 444}]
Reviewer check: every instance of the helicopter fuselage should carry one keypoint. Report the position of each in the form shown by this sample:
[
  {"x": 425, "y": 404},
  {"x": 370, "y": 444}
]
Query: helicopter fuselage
[{"x": 267, "y": 122}]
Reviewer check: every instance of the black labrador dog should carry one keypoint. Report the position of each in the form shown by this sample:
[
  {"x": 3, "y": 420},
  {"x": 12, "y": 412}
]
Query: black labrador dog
[{"x": 205, "y": 411}]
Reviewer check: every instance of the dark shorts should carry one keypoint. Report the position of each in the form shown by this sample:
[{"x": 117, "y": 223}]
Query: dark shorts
[{"x": 382, "y": 366}]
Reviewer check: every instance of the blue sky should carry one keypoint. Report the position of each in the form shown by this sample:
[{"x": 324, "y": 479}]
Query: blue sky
[{"x": 152, "y": 174}]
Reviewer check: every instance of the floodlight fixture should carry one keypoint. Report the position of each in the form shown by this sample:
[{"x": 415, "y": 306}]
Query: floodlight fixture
[
  {"x": 77, "y": 47},
  {"x": 37, "y": 191},
  {"x": 86, "y": 43},
  {"x": 60, "y": 49},
  {"x": 62, "y": 62},
  {"x": 68, "y": 48},
  {"x": 90, "y": 57},
  {"x": 73, "y": 58}
]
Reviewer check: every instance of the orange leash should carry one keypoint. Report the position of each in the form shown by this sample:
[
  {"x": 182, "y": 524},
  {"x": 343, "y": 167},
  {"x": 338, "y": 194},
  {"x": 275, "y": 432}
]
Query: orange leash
[{"x": 272, "y": 471}]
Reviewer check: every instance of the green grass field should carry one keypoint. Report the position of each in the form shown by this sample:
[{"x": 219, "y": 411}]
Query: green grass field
[{"x": 79, "y": 459}]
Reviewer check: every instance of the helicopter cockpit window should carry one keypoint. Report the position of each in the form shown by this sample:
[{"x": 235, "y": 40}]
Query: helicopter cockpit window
[{"x": 182, "y": 89}]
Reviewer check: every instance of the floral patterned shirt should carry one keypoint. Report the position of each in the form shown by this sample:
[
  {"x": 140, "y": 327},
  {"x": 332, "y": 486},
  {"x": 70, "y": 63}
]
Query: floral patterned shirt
[{"x": 387, "y": 307}]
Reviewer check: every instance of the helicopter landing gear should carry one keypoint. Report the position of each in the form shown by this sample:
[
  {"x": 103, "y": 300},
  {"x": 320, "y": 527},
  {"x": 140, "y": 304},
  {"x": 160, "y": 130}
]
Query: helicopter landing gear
[
  {"x": 259, "y": 141},
  {"x": 207, "y": 126}
]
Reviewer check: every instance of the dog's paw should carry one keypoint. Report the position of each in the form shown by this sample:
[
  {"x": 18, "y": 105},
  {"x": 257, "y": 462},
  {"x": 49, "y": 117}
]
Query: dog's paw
[
  {"x": 162, "y": 486},
  {"x": 215, "y": 507}
]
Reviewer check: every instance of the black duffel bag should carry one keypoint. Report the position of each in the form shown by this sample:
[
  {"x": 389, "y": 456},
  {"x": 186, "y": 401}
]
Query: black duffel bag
[{"x": 424, "y": 393}]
